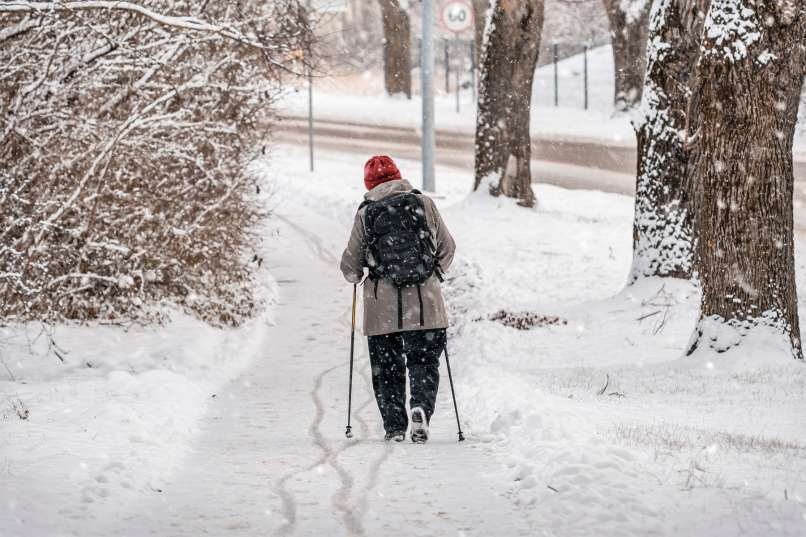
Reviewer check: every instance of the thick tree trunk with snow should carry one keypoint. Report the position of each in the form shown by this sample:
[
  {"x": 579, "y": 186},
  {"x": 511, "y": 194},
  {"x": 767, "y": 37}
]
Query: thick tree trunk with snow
[
  {"x": 480, "y": 8},
  {"x": 628, "y": 30},
  {"x": 750, "y": 76},
  {"x": 663, "y": 240},
  {"x": 508, "y": 60},
  {"x": 396, "y": 48}
]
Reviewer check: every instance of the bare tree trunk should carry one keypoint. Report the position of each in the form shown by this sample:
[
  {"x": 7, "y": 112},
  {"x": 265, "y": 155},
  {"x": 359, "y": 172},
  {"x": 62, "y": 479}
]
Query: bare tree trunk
[
  {"x": 480, "y": 8},
  {"x": 663, "y": 240},
  {"x": 396, "y": 48},
  {"x": 749, "y": 80},
  {"x": 628, "y": 30},
  {"x": 508, "y": 60}
]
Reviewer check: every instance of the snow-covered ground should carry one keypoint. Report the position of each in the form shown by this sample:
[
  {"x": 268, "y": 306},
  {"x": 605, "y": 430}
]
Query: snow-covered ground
[
  {"x": 109, "y": 412},
  {"x": 591, "y": 425},
  {"x": 672, "y": 446}
]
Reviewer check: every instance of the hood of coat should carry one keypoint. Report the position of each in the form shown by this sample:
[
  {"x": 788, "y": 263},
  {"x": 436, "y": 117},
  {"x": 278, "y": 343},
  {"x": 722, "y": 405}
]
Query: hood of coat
[{"x": 384, "y": 190}]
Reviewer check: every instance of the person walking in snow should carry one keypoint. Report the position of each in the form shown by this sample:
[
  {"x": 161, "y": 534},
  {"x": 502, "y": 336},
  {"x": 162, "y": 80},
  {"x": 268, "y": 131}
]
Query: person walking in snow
[{"x": 400, "y": 238}]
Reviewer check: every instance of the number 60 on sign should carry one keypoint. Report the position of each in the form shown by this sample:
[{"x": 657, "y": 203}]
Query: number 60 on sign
[{"x": 457, "y": 16}]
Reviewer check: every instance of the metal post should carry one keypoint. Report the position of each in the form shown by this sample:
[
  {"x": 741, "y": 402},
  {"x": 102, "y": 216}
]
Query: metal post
[
  {"x": 556, "y": 81},
  {"x": 310, "y": 104},
  {"x": 458, "y": 80},
  {"x": 453, "y": 394},
  {"x": 473, "y": 68},
  {"x": 447, "y": 69},
  {"x": 585, "y": 71},
  {"x": 348, "y": 432},
  {"x": 310, "y": 117},
  {"x": 385, "y": 57},
  {"x": 427, "y": 80}
]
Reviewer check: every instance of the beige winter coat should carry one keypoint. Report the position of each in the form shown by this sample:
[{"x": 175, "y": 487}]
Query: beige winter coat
[{"x": 381, "y": 313}]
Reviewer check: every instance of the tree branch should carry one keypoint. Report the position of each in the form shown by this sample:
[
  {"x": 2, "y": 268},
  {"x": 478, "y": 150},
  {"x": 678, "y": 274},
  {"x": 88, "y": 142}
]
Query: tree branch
[
  {"x": 24, "y": 26},
  {"x": 185, "y": 23}
]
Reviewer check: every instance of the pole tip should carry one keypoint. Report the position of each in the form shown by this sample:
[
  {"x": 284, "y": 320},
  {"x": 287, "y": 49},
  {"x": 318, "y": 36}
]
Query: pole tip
[
  {"x": 461, "y": 436},
  {"x": 348, "y": 433}
]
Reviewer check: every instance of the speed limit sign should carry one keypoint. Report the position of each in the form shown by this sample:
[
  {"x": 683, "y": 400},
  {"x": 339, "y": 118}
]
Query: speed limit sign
[{"x": 457, "y": 16}]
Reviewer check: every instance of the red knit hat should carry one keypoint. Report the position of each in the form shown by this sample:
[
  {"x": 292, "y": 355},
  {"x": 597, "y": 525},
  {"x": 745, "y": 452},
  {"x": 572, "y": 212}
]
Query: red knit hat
[{"x": 378, "y": 170}]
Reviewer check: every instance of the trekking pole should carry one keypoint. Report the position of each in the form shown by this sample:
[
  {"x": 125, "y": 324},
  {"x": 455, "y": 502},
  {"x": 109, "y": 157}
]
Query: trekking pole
[
  {"x": 453, "y": 394},
  {"x": 349, "y": 432}
]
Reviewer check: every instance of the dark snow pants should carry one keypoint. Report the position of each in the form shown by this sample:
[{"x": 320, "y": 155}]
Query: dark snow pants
[{"x": 389, "y": 355}]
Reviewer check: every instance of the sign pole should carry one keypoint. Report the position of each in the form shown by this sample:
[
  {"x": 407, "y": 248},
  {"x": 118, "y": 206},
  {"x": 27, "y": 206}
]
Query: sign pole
[
  {"x": 447, "y": 68},
  {"x": 310, "y": 118},
  {"x": 427, "y": 81},
  {"x": 310, "y": 105}
]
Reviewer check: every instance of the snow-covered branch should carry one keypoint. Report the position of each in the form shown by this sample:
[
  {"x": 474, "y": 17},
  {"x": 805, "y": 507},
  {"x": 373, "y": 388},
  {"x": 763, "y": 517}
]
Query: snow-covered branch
[
  {"x": 121, "y": 126},
  {"x": 183, "y": 23}
]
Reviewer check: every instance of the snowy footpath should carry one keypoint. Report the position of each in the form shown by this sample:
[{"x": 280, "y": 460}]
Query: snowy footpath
[
  {"x": 581, "y": 417},
  {"x": 272, "y": 458}
]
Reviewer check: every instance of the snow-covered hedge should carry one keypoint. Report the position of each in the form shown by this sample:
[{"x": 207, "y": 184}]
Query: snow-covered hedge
[{"x": 125, "y": 137}]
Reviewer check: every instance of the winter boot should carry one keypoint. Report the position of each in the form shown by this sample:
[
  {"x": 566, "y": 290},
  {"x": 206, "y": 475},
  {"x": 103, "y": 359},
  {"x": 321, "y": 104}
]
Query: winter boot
[
  {"x": 419, "y": 426},
  {"x": 397, "y": 436}
]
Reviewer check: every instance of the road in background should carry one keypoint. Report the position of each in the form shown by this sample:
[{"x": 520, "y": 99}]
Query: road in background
[{"x": 570, "y": 163}]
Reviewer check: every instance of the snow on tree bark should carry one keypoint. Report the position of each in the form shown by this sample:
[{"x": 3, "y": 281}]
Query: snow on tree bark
[
  {"x": 125, "y": 138},
  {"x": 396, "y": 48},
  {"x": 509, "y": 56},
  {"x": 628, "y": 31},
  {"x": 749, "y": 81},
  {"x": 480, "y": 9},
  {"x": 663, "y": 240}
]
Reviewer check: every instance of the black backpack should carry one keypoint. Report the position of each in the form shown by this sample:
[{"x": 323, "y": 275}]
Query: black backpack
[{"x": 399, "y": 246}]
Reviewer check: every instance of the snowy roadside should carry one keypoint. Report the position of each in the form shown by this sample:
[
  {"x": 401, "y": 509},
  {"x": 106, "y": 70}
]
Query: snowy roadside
[
  {"x": 563, "y": 123},
  {"x": 360, "y": 100},
  {"x": 109, "y": 412},
  {"x": 598, "y": 418}
]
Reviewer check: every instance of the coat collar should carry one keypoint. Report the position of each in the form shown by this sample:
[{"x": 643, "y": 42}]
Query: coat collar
[{"x": 387, "y": 189}]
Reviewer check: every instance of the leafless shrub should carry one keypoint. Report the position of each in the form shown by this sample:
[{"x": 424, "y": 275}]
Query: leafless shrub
[
  {"x": 525, "y": 320},
  {"x": 125, "y": 134}
]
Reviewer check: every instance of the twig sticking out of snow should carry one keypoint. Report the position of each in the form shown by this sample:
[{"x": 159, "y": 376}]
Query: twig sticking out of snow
[{"x": 607, "y": 383}]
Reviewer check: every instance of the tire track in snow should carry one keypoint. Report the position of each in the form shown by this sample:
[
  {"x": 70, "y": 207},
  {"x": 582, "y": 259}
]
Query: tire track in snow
[
  {"x": 329, "y": 456},
  {"x": 286, "y": 497},
  {"x": 341, "y": 500},
  {"x": 375, "y": 467},
  {"x": 352, "y": 517},
  {"x": 377, "y": 464},
  {"x": 313, "y": 240}
]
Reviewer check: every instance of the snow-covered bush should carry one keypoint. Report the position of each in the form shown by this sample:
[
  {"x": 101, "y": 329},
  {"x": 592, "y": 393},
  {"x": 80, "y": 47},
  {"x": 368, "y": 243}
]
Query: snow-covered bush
[{"x": 125, "y": 136}]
